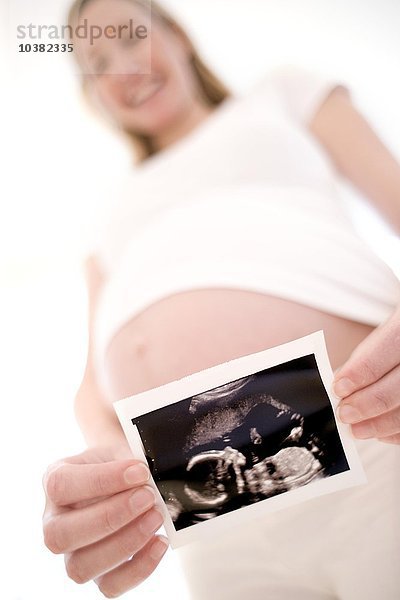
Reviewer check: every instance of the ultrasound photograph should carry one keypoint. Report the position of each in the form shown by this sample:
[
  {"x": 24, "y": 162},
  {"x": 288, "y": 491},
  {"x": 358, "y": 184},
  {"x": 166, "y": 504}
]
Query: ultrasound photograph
[{"x": 243, "y": 442}]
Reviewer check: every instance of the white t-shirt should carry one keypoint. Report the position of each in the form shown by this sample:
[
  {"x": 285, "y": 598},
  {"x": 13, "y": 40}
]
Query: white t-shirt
[{"x": 247, "y": 200}]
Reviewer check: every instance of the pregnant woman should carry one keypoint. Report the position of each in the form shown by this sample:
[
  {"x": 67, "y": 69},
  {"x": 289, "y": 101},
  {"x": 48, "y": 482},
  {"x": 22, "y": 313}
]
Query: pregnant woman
[{"x": 232, "y": 239}]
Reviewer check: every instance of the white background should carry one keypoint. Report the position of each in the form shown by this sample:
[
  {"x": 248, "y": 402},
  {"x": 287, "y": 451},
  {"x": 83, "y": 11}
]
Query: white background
[{"x": 58, "y": 160}]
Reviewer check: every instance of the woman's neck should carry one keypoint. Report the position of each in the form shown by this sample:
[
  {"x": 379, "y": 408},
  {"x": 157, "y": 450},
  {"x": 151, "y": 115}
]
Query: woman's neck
[{"x": 189, "y": 121}]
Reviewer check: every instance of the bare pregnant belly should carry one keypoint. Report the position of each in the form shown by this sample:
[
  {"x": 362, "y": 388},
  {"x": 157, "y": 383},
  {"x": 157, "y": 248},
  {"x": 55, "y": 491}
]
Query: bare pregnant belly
[{"x": 194, "y": 330}]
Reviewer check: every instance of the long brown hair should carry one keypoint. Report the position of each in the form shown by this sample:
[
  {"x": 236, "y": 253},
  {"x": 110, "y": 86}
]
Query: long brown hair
[{"x": 211, "y": 87}]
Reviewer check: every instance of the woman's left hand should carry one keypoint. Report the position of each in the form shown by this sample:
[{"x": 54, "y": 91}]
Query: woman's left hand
[{"x": 369, "y": 385}]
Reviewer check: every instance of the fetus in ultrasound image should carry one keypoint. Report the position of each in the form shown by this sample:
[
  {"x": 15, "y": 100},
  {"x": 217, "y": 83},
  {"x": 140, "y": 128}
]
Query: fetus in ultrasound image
[{"x": 242, "y": 442}]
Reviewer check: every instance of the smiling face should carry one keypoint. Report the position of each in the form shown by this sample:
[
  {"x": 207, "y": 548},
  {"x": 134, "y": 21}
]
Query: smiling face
[{"x": 146, "y": 85}]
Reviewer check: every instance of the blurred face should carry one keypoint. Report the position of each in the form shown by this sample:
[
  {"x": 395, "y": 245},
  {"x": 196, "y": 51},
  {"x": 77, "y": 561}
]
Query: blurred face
[{"x": 146, "y": 84}]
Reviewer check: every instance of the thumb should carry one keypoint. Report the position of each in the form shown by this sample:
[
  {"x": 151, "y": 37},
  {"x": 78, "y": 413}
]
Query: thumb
[{"x": 375, "y": 356}]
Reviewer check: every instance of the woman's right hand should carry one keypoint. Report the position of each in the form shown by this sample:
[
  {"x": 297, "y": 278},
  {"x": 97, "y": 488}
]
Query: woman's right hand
[{"x": 99, "y": 513}]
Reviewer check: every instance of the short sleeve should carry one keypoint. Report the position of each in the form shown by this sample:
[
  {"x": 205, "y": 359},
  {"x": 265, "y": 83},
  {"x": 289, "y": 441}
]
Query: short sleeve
[{"x": 301, "y": 91}]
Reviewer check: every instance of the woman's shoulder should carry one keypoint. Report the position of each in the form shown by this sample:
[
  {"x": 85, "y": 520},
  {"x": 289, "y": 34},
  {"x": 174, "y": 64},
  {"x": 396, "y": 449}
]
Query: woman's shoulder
[
  {"x": 298, "y": 89},
  {"x": 290, "y": 77}
]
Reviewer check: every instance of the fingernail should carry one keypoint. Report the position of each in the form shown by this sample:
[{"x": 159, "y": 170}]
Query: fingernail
[
  {"x": 151, "y": 522},
  {"x": 142, "y": 499},
  {"x": 137, "y": 474},
  {"x": 349, "y": 414},
  {"x": 343, "y": 387},
  {"x": 363, "y": 431},
  {"x": 159, "y": 548}
]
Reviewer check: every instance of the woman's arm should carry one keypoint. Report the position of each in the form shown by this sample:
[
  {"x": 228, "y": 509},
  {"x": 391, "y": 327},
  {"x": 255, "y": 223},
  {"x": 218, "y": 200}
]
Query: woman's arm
[
  {"x": 96, "y": 418},
  {"x": 99, "y": 509},
  {"x": 358, "y": 153},
  {"x": 94, "y": 414},
  {"x": 368, "y": 383}
]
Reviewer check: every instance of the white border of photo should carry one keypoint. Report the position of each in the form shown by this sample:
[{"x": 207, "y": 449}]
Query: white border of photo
[{"x": 176, "y": 391}]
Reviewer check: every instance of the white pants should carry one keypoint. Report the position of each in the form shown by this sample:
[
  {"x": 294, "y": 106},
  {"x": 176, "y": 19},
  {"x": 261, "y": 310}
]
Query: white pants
[{"x": 345, "y": 545}]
